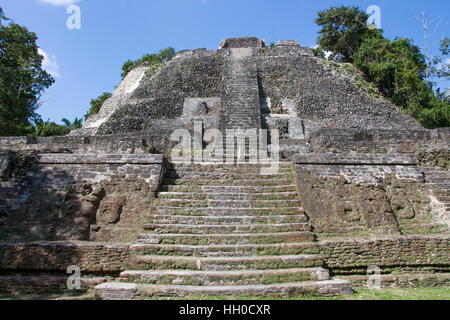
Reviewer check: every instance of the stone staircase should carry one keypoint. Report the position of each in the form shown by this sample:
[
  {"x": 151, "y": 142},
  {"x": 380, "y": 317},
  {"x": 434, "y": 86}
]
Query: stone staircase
[
  {"x": 225, "y": 230},
  {"x": 240, "y": 92}
]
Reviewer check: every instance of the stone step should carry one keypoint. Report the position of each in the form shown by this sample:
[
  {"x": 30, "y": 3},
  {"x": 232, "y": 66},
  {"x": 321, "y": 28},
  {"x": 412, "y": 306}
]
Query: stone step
[
  {"x": 229, "y": 189},
  {"x": 438, "y": 186},
  {"x": 437, "y": 179},
  {"x": 227, "y": 229},
  {"x": 230, "y": 220},
  {"x": 171, "y": 174},
  {"x": 147, "y": 262},
  {"x": 228, "y": 196},
  {"x": 129, "y": 291},
  {"x": 226, "y": 212},
  {"x": 228, "y": 250},
  {"x": 232, "y": 160},
  {"x": 253, "y": 238},
  {"x": 239, "y": 277},
  {"x": 227, "y": 168},
  {"x": 228, "y": 182},
  {"x": 442, "y": 192},
  {"x": 187, "y": 203}
]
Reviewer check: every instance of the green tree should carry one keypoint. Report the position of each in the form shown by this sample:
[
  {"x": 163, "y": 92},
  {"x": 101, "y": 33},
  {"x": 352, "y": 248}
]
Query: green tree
[
  {"x": 22, "y": 79},
  {"x": 398, "y": 69},
  {"x": 48, "y": 129},
  {"x": 154, "y": 60},
  {"x": 342, "y": 30},
  {"x": 441, "y": 67},
  {"x": 97, "y": 103},
  {"x": 76, "y": 124}
]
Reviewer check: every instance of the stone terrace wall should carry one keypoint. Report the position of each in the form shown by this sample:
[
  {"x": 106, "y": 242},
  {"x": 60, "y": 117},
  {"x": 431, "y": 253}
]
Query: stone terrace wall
[
  {"x": 58, "y": 256},
  {"x": 342, "y": 256},
  {"x": 406, "y": 253},
  {"x": 76, "y": 144},
  {"x": 348, "y": 195},
  {"x": 59, "y": 196},
  {"x": 334, "y": 140}
]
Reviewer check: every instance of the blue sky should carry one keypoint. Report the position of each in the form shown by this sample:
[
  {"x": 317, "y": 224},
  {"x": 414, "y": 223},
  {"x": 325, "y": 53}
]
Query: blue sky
[{"x": 87, "y": 62}]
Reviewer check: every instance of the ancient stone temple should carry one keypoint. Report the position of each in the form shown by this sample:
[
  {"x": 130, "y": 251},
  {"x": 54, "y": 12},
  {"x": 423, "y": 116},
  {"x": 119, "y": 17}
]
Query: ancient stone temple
[{"x": 358, "y": 186}]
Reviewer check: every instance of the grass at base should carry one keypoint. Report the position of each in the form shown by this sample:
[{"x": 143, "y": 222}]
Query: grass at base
[{"x": 436, "y": 293}]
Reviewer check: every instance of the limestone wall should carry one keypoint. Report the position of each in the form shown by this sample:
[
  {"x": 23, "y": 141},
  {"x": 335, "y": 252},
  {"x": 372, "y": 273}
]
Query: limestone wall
[
  {"x": 406, "y": 253},
  {"x": 420, "y": 253},
  {"x": 348, "y": 195},
  {"x": 77, "y": 196},
  {"x": 76, "y": 144},
  {"x": 334, "y": 140},
  {"x": 58, "y": 256}
]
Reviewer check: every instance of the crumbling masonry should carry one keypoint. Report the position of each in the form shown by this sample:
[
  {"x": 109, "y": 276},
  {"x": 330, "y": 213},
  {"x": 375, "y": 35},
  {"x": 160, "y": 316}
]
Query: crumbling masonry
[{"x": 360, "y": 184}]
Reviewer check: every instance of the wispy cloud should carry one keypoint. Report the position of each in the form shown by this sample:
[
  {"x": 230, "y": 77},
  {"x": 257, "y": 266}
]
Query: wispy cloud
[
  {"x": 50, "y": 64},
  {"x": 60, "y": 2}
]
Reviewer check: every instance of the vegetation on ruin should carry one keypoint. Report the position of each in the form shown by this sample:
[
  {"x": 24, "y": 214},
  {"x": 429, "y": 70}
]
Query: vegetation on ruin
[
  {"x": 397, "y": 68},
  {"x": 97, "y": 103},
  {"x": 153, "y": 60}
]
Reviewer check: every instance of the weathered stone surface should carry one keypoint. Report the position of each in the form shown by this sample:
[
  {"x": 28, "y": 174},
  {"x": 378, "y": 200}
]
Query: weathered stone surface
[
  {"x": 359, "y": 167},
  {"x": 244, "y": 42},
  {"x": 365, "y": 194},
  {"x": 58, "y": 196},
  {"x": 287, "y": 43},
  {"x": 347, "y": 256},
  {"x": 116, "y": 291},
  {"x": 328, "y": 287}
]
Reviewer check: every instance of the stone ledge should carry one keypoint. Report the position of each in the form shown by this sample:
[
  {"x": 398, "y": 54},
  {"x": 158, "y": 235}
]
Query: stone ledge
[
  {"x": 385, "y": 238},
  {"x": 101, "y": 159},
  {"x": 361, "y": 159},
  {"x": 288, "y": 43},
  {"x": 401, "y": 280}
]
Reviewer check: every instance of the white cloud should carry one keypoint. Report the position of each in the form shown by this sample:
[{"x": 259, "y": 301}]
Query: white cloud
[
  {"x": 60, "y": 2},
  {"x": 49, "y": 63}
]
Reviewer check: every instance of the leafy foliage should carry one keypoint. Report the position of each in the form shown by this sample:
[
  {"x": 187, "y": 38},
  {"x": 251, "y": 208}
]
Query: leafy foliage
[
  {"x": 397, "y": 68},
  {"x": 441, "y": 66},
  {"x": 342, "y": 30},
  {"x": 22, "y": 79},
  {"x": 154, "y": 60},
  {"x": 47, "y": 129},
  {"x": 97, "y": 103},
  {"x": 76, "y": 124}
]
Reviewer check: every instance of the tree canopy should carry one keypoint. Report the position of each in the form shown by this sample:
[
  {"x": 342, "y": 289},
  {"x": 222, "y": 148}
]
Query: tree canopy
[
  {"x": 342, "y": 30},
  {"x": 22, "y": 79},
  {"x": 396, "y": 67}
]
